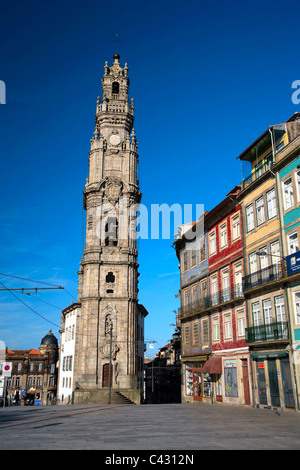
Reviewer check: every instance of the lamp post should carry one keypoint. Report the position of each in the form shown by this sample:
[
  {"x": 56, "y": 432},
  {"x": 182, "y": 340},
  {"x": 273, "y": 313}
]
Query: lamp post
[
  {"x": 264, "y": 253},
  {"x": 109, "y": 370}
]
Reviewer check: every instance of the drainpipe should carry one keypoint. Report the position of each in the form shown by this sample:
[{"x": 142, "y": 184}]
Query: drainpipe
[{"x": 282, "y": 251}]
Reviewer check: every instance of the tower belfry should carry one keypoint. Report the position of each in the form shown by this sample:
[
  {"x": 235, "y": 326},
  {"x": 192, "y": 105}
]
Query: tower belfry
[{"x": 110, "y": 320}]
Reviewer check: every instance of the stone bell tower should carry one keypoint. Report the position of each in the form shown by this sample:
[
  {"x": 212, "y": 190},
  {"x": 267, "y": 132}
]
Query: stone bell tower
[{"x": 107, "y": 331}]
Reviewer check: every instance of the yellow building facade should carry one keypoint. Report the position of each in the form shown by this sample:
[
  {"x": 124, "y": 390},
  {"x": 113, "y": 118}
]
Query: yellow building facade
[{"x": 265, "y": 282}]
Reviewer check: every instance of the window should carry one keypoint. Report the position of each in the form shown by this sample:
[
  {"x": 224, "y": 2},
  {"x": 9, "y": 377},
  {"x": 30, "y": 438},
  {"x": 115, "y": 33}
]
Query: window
[
  {"x": 195, "y": 333},
  {"x": 40, "y": 366},
  {"x": 203, "y": 288},
  {"x": 275, "y": 252},
  {"x": 110, "y": 278},
  {"x": 260, "y": 211},
  {"x": 19, "y": 366},
  {"x": 259, "y": 169},
  {"x": 298, "y": 185},
  {"x": 225, "y": 285},
  {"x": 252, "y": 263},
  {"x": 288, "y": 193},
  {"x": 216, "y": 329},
  {"x": 280, "y": 309},
  {"x": 267, "y": 309},
  {"x": 268, "y": 161},
  {"x": 238, "y": 279},
  {"x": 214, "y": 289},
  {"x": 187, "y": 335},
  {"x": 236, "y": 231},
  {"x": 193, "y": 256},
  {"x": 185, "y": 261},
  {"x": 202, "y": 249},
  {"x": 249, "y": 218},
  {"x": 115, "y": 88},
  {"x": 241, "y": 322},
  {"x": 297, "y": 307},
  {"x": 263, "y": 259},
  {"x": 279, "y": 147},
  {"x": 256, "y": 314},
  {"x": 227, "y": 326},
  {"x": 185, "y": 294},
  {"x": 205, "y": 334},
  {"x": 31, "y": 366},
  {"x": 195, "y": 296},
  {"x": 271, "y": 204},
  {"x": 293, "y": 244},
  {"x": 223, "y": 235},
  {"x": 212, "y": 242},
  {"x": 111, "y": 231}
]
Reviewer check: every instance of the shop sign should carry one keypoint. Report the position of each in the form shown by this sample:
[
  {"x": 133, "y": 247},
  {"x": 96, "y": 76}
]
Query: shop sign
[
  {"x": 229, "y": 363},
  {"x": 293, "y": 263},
  {"x": 269, "y": 355}
]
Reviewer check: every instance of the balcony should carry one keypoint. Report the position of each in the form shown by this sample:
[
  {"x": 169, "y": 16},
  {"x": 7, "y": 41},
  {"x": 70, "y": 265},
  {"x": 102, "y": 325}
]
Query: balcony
[
  {"x": 270, "y": 332},
  {"x": 212, "y": 301},
  {"x": 263, "y": 276}
]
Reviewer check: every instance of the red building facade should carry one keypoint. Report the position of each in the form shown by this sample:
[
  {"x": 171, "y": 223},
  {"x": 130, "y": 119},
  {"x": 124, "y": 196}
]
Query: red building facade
[{"x": 229, "y": 365}]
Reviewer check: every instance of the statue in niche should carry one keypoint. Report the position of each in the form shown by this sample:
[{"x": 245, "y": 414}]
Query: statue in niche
[{"x": 108, "y": 325}]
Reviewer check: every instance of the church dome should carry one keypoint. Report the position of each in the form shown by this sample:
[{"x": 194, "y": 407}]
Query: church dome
[{"x": 49, "y": 339}]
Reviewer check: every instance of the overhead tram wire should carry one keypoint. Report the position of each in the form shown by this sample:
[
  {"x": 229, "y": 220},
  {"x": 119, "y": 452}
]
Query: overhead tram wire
[
  {"x": 30, "y": 308},
  {"x": 37, "y": 313},
  {"x": 31, "y": 280},
  {"x": 55, "y": 306}
]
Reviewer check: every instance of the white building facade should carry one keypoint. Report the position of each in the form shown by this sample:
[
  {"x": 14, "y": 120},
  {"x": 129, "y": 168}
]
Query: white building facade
[{"x": 67, "y": 351}]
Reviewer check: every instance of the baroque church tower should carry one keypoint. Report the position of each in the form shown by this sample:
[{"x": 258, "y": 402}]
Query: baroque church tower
[{"x": 109, "y": 329}]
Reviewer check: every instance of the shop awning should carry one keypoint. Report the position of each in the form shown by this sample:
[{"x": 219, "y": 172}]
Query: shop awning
[{"x": 213, "y": 366}]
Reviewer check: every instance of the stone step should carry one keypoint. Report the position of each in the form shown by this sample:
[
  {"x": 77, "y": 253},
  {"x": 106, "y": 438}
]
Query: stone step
[{"x": 100, "y": 396}]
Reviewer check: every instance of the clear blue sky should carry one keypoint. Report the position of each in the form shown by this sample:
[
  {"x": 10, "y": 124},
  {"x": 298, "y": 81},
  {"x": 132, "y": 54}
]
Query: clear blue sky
[{"x": 207, "y": 78}]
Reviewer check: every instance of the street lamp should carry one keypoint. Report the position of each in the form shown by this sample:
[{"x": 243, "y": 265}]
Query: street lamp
[{"x": 264, "y": 253}]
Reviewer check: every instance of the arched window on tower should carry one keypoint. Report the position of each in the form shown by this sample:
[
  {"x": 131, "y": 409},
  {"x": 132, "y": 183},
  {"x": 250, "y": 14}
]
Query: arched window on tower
[
  {"x": 110, "y": 277},
  {"x": 111, "y": 231},
  {"x": 115, "y": 88}
]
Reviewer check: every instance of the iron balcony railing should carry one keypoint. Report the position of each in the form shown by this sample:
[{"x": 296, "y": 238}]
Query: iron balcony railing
[
  {"x": 267, "y": 332},
  {"x": 212, "y": 300},
  {"x": 263, "y": 276}
]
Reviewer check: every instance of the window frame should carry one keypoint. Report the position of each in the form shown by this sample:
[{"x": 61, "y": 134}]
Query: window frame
[
  {"x": 260, "y": 211},
  {"x": 295, "y": 302},
  {"x": 290, "y": 203},
  {"x": 227, "y": 321},
  {"x": 212, "y": 238},
  {"x": 235, "y": 222},
  {"x": 223, "y": 235},
  {"x": 289, "y": 243},
  {"x": 271, "y": 204},
  {"x": 248, "y": 228}
]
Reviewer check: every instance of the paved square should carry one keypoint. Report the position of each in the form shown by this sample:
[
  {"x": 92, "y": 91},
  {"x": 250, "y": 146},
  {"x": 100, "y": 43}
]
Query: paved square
[{"x": 148, "y": 427}]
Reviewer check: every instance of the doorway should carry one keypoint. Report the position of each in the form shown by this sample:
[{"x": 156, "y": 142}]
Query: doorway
[
  {"x": 197, "y": 384},
  {"x": 246, "y": 384},
  {"x": 261, "y": 383},
  {"x": 105, "y": 375},
  {"x": 287, "y": 383},
  {"x": 273, "y": 381}
]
